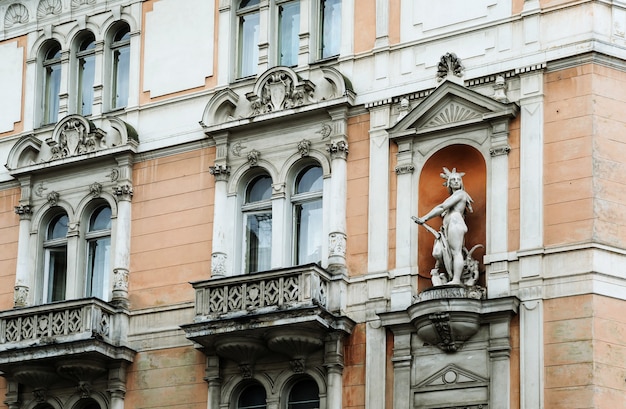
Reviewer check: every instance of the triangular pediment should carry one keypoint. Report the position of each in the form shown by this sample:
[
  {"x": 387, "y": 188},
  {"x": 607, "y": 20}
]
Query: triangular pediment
[
  {"x": 451, "y": 377},
  {"x": 451, "y": 105}
]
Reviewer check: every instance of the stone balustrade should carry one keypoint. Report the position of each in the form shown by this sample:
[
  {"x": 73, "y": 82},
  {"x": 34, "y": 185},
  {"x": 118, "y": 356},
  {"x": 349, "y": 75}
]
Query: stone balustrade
[
  {"x": 299, "y": 286},
  {"x": 67, "y": 320}
]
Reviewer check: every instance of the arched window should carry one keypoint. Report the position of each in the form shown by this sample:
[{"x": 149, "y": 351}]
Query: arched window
[
  {"x": 98, "y": 252},
  {"x": 304, "y": 395},
  {"x": 307, "y": 214},
  {"x": 55, "y": 259},
  {"x": 51, "y": 82},
  {"x": 248, "y": 37},
  {"x": 86, "y": 66},
  {"x": 257, "y": 216},
  {"x": 120, "y": 59},
  {"x": 252, "y": 397},
  {"x": 288, "y": 33},
  {"x": 87, "y": 404}
]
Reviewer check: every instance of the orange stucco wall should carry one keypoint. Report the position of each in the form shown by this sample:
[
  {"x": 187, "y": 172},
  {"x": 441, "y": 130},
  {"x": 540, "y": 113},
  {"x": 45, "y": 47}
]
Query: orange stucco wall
[
  {"x": 354, "y": 370},
  {"x": 357, "y": 192},
  {"x": 9, "y": 232},
  {"x": 393, "y": 204},
  {"x": 585, "y": 346},
  {"x": 171, "y": 228},
  {"x": 585, "y": 146},
  {"x": 169, "y": 378},
  {"x": 515, "y": 363},
  {"x": 364, "y": 25}
]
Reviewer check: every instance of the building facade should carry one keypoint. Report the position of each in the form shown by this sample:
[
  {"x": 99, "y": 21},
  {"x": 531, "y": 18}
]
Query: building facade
[{"x": 211, "y": 204}]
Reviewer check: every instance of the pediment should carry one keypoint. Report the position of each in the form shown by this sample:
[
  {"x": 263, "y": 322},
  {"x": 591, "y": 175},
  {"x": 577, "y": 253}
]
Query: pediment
[
  {"x": 452, "y": 377},
  {"x": 73, "y": 138},
  {"x": 277, "y": 92},
  {"x": 451, "y": 105}
]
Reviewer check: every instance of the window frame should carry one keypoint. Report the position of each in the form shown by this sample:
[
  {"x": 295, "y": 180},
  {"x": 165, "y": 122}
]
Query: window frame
[
  {"x": 123, "y": 45},
  {"x": 49, "y": 246},
  {"x": 279, "y": 4},
  {"x": 85, "y": 64},
  {"x": 321, "y": 37},
  {"x": 258, "y": 207},
  {"x": 293, "y": 384},
  {"x": 51, "y": 100},
  {"x": 299, "y": 199},
  {"x": 242, "y": 389},
  {"x": 93, "y": 236},
  {"x": 241, "y": 13}
]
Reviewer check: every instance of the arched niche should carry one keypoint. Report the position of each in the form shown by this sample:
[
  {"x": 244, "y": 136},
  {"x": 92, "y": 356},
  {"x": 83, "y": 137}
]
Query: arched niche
[{"x": 432, "y": 192}]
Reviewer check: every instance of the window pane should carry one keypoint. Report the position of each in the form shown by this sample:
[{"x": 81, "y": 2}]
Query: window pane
[
  {"x": 331, "y": 27},
  {"x": 98, "y": 266},
  {"x": 58, "y": 227},
  {"x": 100, "y": 219},
  {"x": 259, "y": 242},
  {"x": 310, "y": 180},
  {"x": 289, "y": 27},
  {"x": 121, "y": 66},
  {"x": 248, "y": 44},
  {"x": 52, "y": 87},
  {"x": 253, "y": 397},
  {"x": 309, "y": 232},
  {"x": 57, "y": 273},
  {"x": 86, "y": 75},
  {"x": 304, "y": 395},
  {"x": 259, "y": 189}
]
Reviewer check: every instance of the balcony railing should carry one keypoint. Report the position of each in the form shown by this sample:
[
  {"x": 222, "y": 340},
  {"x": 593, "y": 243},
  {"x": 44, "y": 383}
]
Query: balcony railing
[
  {"x": 295, "y": 287},
  {"x": 57, "y": 322}
]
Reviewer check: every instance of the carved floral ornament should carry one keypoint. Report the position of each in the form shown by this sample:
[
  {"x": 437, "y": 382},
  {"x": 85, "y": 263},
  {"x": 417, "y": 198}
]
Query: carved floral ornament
[{"x": 74, "y": 136}]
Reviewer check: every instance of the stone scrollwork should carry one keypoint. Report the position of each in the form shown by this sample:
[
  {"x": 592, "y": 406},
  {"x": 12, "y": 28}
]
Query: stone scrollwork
[
  {"x": 338, "y": 149},
  {"x": 123, "y": 192},
  {"x": 337, "y": 244},
  {"x": 76, "y": 137},
  {"x": 218, "y": 264},
  {"x": 404, "y": 169},
  {"x": 220, "y": 171},
  {"x": 23, "y": 210},
  {"x": 53, "y": 198},
  {"x": 303, "y": 147},
  {"x": 95, "y": 189},
  {"x": 279, "y": 89},
  {"x": 500, "y": 150},
  {"x": 16, "y": 14},
  {"x": 325, "y": 131},
  {"x": 20, "y": 296},
  {"x": 449, "y": 64},
  {"x": 120, "y": 279},
  {"x": 253, "y": 157},
  {"x": 49, "y": 8}
]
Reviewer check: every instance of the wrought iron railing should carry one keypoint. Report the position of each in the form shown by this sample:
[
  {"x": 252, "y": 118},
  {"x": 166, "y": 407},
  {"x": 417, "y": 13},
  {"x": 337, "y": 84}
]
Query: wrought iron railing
[{"x": 277, "y": 289}]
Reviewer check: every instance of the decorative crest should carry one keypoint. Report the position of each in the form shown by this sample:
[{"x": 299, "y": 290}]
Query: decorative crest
[{"x": 449, "y": 63}]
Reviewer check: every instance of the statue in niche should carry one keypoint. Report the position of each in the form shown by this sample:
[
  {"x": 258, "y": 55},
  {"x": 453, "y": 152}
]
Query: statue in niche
[{"x": 454, "y": 263}]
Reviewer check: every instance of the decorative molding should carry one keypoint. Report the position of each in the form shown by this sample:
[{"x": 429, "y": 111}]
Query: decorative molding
[
  {"x": 303, "y": 147},
  {"x": 337, "y": 244},
  {"x": 449, "y": 63},
  {"x": 53, "y": 198},
  {"x": 237, "y": 148},
  {"x": 220, "y": 171},
  {"x": 24, "y": 211},
  {"x": 114, "y": 175},
  {"x": 49, "y": 8},
  {"x": 79, "y": 3},
  {"x": 500, "y": 150},
  {"x": 95, "y": 189},
  {"x": 120, "y": 279},
  {"x": 17, "y": 13},
  {"x": 218, "y": 264},
  {"x": 297, "y": 365},
  {"x": 123, "y": 192},
  {"x": 77, "y": 136},
  {"x": 253, "y": 157},
  {"x": 20, "y": 295},
  {"x": 338, "y": 149},
  {"x": 404, "y": 169},
  {"x": 39, "y": 190},
  {"x": 279, "y": 89},
  {"x": 325, "y": 131},
  {"x": 452, "y": 113},
  {"x": 499, "y": 89}
]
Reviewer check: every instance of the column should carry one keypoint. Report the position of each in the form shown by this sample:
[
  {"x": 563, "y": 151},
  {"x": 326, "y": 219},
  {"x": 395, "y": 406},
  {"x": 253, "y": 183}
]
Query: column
[
  {"x": 406, "y": 206},
  {"x": 402, "y": 368},
  {"x": 23, "y": 280},
  {"x": 375, "y": 362},
  {"x": 500, "y": 361},
  {"x": 117, "y": 385},
  {"x": 212, "y": 377},
  {"x": 498, "y": 281},
  {"x": 64, "y": 90},
  {"x": 333, "y": 361},
  {"x": 121, "y": 258},
  {"x": 531, "y": 348},
  {"x": 221, "y": 171},
  {"x": 338, "y": 149},
  {"x": 378, "y": 209}
]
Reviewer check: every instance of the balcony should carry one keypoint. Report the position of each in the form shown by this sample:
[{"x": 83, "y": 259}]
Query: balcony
[
  {"x": 290, "y": 311},
  {"x": 77, "y": 338}
]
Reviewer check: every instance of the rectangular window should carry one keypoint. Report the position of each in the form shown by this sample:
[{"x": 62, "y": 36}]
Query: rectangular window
[
  {"x": 121, "y": 68},
  {"x": 98, "y": 266},
  {"x": 331, "y": 28},
  {"x": 86, "y": 75},
  {"x": 258, "y": 236},
  {"x": 248, "y": 44},
  {"x": 52, "y": 88},
  {"x": 288, "y": 33},
  {"x": 55, "y": 279},
  {"x": 309, "y": 232}
]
